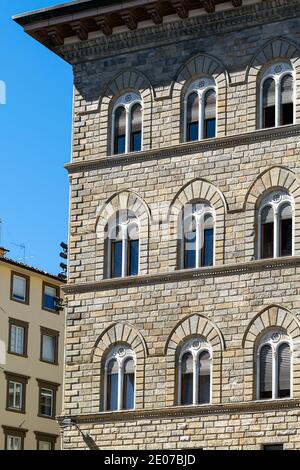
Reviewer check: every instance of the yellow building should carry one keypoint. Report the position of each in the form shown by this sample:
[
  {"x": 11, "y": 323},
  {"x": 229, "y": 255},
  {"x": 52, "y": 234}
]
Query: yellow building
[{"x": 31, "y": 356}]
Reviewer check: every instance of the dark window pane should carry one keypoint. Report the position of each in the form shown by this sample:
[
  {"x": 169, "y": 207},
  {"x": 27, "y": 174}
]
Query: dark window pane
[
  {"x": 286, "y": 230},
  {"x": 190, "y": 250},
  {"x": 269, "y": 103},
  {"x": 112, "y": 385},
  {"x": 120, "y": 130},
  {"x": 287, "y": 106},
  {"x": 117, "y": 249},
  {"x": 192, "y": 117},
  {"x": 265, "y": 379},
  {"x": 284, "y": 371},
  {"x": 273, "y": 447},
  {"x": 210, "y": 114},
  {"x": 208, "y": 247},
  {"x": 136, "y": 128},
  {"x": 133, "y": 255},
  {"x": 187, "y": 379},
  {"x": 128, "y": 385},
  {"x": 204, "y": 378},
  {"x": 50, "y": 294},
  {"x": 210, "y": 129},
  {"x": 267, "y": 240}
]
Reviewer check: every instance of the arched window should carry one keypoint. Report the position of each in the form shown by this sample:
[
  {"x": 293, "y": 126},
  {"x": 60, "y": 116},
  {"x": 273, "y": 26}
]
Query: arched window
[
  {"x": 194, "y": 373},
  {"x": 127, "y": 118},
  {"x": 274, "y": 366},
  {"x": 122, "y": 245},
  {"x": 275, "y": 226},
  {"x": 197, "y": 247},
  {"x": 119, "y": 385},
  {"x": 200, "y": 110},
  {"x": 277, "y": 96}
]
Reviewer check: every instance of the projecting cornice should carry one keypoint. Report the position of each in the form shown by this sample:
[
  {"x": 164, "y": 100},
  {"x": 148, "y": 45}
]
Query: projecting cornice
[
  {"x": 182, "y": 275},
  {"x": 186, "y": 411},
  {"x": 184, "y": 149},
  {"x": 68, "y": 31}
]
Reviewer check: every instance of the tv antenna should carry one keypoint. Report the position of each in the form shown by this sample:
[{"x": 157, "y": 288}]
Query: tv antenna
[{"x": 22, "y": 247}]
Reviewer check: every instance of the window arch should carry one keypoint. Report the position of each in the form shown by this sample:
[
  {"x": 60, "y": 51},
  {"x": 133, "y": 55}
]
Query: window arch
[
  {"x": 194, "y": 372},
  {"x": 119, "y": 379},
  {"x": 277, "y": 96},
  {"x": 276, "y": 225},
  {"x": 127, "y": 123},
  {"x": 122, "y": 245},
  {"x": 197, "y": 235},
  {"x": 200, "y": 110},
  {"x": 274, "y": 366}
]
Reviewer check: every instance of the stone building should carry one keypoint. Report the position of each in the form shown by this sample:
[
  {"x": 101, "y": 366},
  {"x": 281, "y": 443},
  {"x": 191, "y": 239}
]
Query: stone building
[
  {"x": 183, "y": 320},
  {"x": 32, "y": 326}
]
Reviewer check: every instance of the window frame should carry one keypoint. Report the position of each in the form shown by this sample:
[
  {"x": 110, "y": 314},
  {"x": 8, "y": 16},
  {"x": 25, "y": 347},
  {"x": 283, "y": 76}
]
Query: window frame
[
  {"x": 267, "y": 341},
  {"x": 268, "y": 201},
  {"x": 196, "y": 353},
  {"x": 127, "y": 100},
  {"x": 57, "y": 289},
  {"x": 18, "y": 323},
  {"x": 199, "y": 217},
  {"x": 45, "y": 385},
  {"x": 208, "y": 84},
  {"x": 10, "y": 431},
  {"x": 27, "y": 290},
  {"x": 54, "y": 334},
  {"x": 19, "y": 379},
  {"x": 270, "y": 73},
  {"x": 45, "y": 437},
  {"x": 123, "y": 222},
  {"x": 121, "y": 361}
]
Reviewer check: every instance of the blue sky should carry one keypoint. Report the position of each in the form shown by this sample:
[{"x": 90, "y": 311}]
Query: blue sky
[{"x": 35, "y": 142}]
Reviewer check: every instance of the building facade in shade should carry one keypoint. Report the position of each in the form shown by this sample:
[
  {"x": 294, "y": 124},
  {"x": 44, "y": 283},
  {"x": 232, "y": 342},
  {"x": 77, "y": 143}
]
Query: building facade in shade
[
  {"x": 31, "y": 357},
  {"x": 183, "y": 322}
]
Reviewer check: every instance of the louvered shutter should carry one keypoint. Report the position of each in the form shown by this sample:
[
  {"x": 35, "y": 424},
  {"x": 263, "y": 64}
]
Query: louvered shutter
[
  {"x": 287, "y": 89},
  {"x": 204, "y": 378},
  {"x": 265, "y": 385},
  {"x": 284, "y": 371},
  {"x": 210, "y": 105},
  {"x": 269, "y": 93}
]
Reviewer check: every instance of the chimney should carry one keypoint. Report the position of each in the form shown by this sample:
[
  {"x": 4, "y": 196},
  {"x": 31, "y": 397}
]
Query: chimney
[{"x": 3, "y": 252}]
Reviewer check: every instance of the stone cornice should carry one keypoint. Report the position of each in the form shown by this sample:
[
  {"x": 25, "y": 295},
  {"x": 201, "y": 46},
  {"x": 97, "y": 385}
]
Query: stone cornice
[
  {"x": 184, "y": 149},
  {"x": 181, "y": 29},
  {"x": 182, "y": 275},
  {"x": 186, "y": 411}
]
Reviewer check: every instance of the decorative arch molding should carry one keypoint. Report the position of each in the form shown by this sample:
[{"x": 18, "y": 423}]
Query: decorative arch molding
[
  {"x": 198, "y": 66},
  {"x": 276, "y": 48},
  {"x": 123, "y": 200},
  {"x": 127, "y": 81},
  {"x": 193, "y": 325},
  {"x": 270, "y": 317},
  {"x": 271, "y": 178},
  {"x": 199, "y": 189},
  {"x": 117, "y": 333}
]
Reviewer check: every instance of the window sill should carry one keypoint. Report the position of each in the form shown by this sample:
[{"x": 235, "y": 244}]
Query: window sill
[
  {"x": 14, "y": 410},
  {"x": 17, "y": 354},
  {"x": 183, "y": 275}
]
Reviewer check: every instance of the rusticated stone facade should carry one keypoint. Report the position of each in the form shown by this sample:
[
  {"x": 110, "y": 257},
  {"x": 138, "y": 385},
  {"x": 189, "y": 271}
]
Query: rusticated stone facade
[{"x": 231, "y": 304}]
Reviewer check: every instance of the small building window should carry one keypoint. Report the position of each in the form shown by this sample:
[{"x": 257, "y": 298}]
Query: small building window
[
  {"x": 16, "y": 392},
  {"x": 45, "y": 441},
  {"x": 123, "y": 245},
  {"x": 49, "y": 345},
  {"x": 19, "y": 288},
  {"x": 273, "y": 447},
  {"x": 277, "y": 96},
  {"x": 275, "y": 226},
  {"x": 119, "y": 371},
  {"x": 18, "y": 337},
  {"x": 127, "y": 117},
  {"x": 50, "y": 296},
  {"x": 198, "y": 235},
  {"x": 194, "y": 373},
  {"x": 14, "y": 438},
  {"x": 200, "y": 110},
  {"x": 47, "y": 399},
  {"x": 274, "y": 366}
]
